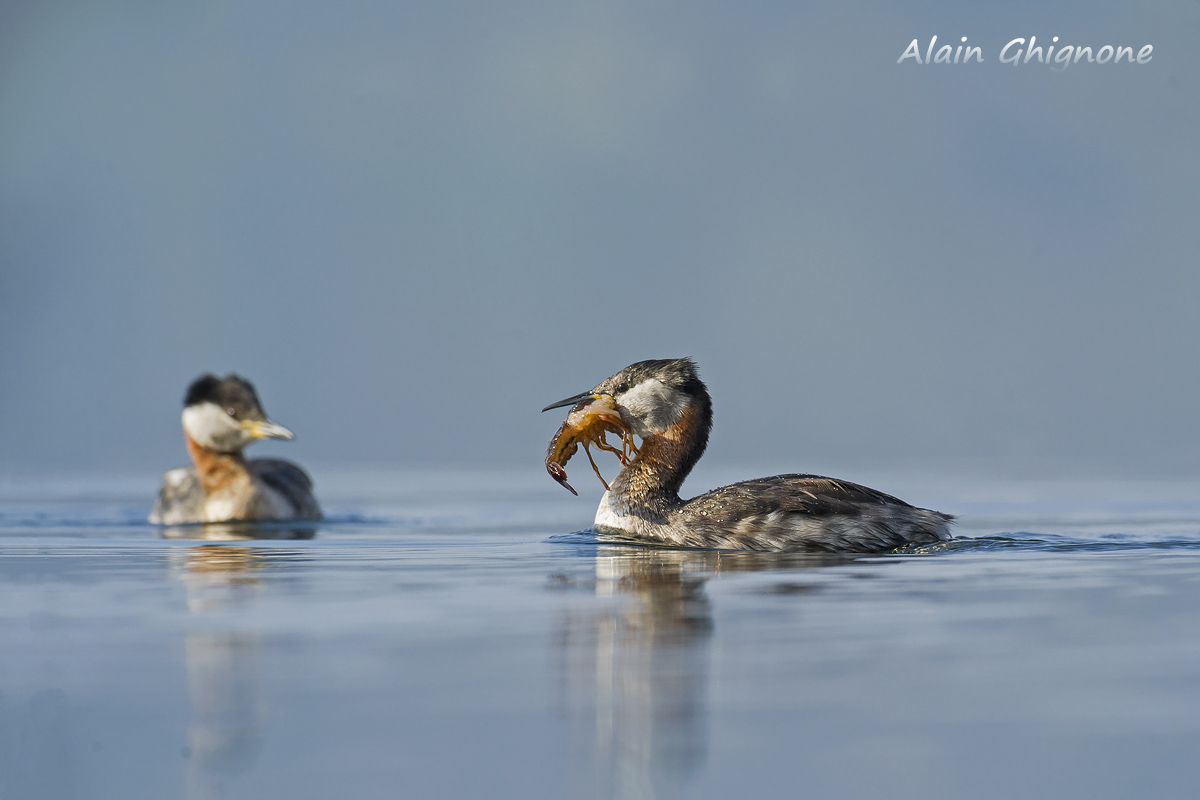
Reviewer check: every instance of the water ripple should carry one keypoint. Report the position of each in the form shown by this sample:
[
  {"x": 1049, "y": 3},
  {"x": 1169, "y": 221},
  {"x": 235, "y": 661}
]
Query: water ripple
[{"x": 1033, "y": 542}]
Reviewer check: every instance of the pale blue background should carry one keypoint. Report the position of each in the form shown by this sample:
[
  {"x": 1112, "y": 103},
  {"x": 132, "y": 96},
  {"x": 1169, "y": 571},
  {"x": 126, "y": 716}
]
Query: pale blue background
[{"x": 415, "y": 224}]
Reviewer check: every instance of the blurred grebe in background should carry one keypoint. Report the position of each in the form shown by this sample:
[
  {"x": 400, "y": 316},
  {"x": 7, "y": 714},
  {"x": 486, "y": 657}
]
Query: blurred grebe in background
[{"x": 221, "y": 416}]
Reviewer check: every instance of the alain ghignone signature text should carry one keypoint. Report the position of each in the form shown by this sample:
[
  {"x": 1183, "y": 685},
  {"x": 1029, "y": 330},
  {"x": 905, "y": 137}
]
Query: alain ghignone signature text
[{"x": 1058, "y": 57}]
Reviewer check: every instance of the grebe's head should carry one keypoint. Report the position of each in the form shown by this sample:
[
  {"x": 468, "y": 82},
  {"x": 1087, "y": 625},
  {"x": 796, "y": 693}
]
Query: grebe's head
[
  {"x": 645, "y": 399},
  {"x": 651, "y": 396},
  {"x": 224, "y": 414}
]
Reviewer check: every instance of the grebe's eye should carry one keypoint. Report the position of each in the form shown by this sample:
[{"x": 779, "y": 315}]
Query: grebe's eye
[{"x": 232, "y": 413}]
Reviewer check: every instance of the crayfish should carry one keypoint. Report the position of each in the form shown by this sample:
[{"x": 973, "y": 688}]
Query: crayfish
[{"x": 587, "y": 424}]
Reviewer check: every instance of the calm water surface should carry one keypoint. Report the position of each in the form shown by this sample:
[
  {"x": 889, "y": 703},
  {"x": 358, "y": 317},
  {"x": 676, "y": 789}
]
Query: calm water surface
[{"x": 446, "y": 636}]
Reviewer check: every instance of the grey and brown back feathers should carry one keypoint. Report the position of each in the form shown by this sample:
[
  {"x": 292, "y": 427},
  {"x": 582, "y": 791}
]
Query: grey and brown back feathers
[
  {"x": 807, "y": 512},
  {"x": 290, "y": 481}
]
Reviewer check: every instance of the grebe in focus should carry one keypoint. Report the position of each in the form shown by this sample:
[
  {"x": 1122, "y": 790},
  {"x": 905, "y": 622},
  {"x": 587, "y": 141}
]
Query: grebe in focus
[
  {"x": 220, "y": 417},
  {"x": 667, "y": 406}
]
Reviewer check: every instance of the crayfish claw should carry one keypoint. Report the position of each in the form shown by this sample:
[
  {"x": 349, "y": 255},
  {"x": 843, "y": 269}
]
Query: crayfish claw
[{"x": 559, "y": 474}]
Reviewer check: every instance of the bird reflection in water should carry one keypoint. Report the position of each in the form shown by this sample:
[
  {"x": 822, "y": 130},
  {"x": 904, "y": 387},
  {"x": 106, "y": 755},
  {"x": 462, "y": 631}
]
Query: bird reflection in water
[
  {"x": 239, "y": 531},
  {"x": 224, "y": 672},
  {"x": 635, "y": 663}
]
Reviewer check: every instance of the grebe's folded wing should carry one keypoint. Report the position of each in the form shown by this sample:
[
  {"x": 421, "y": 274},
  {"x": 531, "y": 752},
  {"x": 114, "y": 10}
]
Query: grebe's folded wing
[
  {"x": 809, "y": 512},
  {"x": 290, "y": 481},
  {"x": 813, "y": 495}
]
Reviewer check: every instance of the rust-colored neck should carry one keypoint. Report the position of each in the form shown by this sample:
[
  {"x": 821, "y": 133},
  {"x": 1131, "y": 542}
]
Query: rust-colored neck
[
  {"x": 217, "y": 472},
  {"x": 664, "y": 460}
]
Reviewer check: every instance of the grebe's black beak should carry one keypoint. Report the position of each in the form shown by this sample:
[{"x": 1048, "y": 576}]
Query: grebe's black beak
[{"x": 570, "y": 401}]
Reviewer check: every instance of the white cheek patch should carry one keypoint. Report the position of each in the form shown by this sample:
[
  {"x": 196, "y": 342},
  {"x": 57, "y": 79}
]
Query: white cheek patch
[
  {"x": 210, "y": 426},
  {"x": 651, "y": 407}
]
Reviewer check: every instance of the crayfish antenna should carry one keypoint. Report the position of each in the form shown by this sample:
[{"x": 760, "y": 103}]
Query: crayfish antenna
[
  {"x": 629, "y": 448},
  {"x": 596, "y": 469},
  {"x": 603, "y": 444}
]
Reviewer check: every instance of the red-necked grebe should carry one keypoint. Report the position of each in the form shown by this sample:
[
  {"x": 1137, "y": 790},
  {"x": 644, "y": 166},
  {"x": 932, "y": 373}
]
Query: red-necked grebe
[
  {"x": 220, "y": 417},
  {"x": 667, "y": 406}
]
